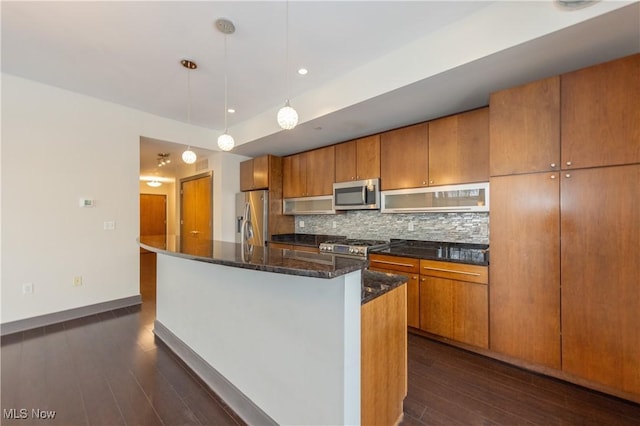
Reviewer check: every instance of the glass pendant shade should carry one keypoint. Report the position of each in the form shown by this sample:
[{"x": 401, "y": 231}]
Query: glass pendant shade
[
  {"x": 226, "y": 142},
  {"x": 189, "y": 156},
  {"x": 287, "y": 117}
]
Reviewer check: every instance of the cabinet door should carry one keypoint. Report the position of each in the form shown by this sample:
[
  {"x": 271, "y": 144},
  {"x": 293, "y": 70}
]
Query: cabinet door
[
  {"x": 524, "y": 128},
  {"x": 404, "y": 158},
  {"x": 413, "y": 296},
  {"x": 455, "y": 309},
  {"x": 320, "y": 171},
  {"x": 525, "y": 273},
  {"x": 368, "y": 157},
  {"x": 261, "y": 172},
  {"x": 294, "y": 176},
  {"x": 246, "y": 175},
  {"x": 601, "y": 114},
  {"x": 346, "y": 161},
  {"x": 459, "y": 148},
  {"x": 600, "y": 276}
]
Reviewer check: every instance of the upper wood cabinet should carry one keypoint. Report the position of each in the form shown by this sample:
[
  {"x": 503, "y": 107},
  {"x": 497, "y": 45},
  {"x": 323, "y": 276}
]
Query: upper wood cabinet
[
  {"x": 309, "y": 173},
  {"x": 254, "y": 174},
  {"x": 358, "y": 159},
  {"x": 601, "y": 114},
  {"x": 525, "y": 267},
  {"x": 404, "y": 157},
  {"x": 524, "y": 128},
  {"x": 459, "y": 148}
]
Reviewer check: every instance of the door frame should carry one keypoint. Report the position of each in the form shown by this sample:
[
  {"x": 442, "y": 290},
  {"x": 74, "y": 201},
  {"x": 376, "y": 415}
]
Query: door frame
[{"x": 208, "y": 174}]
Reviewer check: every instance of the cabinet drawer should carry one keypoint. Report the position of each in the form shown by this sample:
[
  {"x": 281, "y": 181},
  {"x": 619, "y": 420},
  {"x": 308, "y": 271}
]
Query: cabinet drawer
[
  {"x": 395, "y": 263},
  {"x": 455, "y": 271}
]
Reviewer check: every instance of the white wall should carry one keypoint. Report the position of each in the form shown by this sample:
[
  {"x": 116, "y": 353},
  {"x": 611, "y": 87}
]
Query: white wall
[{"x": 58, "y": 146}]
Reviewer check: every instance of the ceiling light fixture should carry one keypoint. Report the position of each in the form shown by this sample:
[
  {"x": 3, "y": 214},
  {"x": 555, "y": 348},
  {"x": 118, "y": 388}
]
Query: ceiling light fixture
[
  {"x": 188, "y": 156},
  {"x": 575, "y": 4},
  {"x": 225, "y": 140},
  {"x": 287, "y": 116},
  {"x": 154, "y": 183},
  {"x": 163, "y": 159},
  {"x": 303, "y": 71}
]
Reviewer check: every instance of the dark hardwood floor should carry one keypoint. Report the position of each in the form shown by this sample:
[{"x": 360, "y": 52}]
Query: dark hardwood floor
[{"x": 108, "y": 369}]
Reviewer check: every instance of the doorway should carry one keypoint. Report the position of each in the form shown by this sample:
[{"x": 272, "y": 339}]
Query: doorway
[
  {"x": 153, "y": 225},
  {"x": 196, "y": 213}
]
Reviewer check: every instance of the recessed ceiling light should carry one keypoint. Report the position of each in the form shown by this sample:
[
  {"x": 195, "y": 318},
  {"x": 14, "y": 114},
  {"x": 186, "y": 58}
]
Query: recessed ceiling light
[
  {"x": 231, "y": 110},
  {"x": 574, "y": 4},
  {"x": 303, "y": 71}
]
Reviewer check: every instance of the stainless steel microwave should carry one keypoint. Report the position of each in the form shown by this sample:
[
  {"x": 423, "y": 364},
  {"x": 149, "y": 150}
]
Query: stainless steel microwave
[{"x": 357, "y": 195}]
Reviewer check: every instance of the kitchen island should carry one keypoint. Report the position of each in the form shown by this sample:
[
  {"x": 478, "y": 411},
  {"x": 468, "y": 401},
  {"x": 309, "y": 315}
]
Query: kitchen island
[{"x": 276, "y": 333}]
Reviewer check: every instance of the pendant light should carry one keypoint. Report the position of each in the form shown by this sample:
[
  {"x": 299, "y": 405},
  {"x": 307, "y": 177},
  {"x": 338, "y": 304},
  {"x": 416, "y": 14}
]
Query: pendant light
[
  {"x": 225, "y": 140},
  {"x": 287, "y": 116},
  {"x": 188, "y": 156}
]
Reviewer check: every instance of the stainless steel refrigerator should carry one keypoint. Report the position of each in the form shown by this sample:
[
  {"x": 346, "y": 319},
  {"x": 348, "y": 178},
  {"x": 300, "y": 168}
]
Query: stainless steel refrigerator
[{"x": 252, "y": 216}]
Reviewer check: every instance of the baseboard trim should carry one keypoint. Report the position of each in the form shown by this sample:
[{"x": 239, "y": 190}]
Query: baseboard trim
[
  {"x": 70, "y": 314},
  {"x": 231, "y": 395}
]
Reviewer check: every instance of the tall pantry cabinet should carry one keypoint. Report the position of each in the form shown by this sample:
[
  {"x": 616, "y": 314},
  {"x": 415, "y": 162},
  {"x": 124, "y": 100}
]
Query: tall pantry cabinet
[{"x": 565, "y": 224}]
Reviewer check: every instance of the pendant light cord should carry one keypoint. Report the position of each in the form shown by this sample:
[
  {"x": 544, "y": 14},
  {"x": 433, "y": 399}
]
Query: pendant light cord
[
  {"x": 286, "y": 50},
  {"x": 226, "y": 109}
]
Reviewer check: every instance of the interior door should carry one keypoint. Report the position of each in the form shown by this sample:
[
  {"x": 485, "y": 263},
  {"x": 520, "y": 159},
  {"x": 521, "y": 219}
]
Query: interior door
[
  {"x": 196, "y": 212},
  {"x": 153, "y": 218}
]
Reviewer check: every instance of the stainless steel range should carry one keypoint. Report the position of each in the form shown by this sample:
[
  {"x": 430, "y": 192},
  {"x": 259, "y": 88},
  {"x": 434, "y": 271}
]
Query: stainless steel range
[{"x": 352, "y": 247}]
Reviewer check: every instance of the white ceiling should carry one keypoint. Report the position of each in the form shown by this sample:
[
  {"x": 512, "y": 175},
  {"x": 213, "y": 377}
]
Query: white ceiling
[{"x": 373, "y": 65}]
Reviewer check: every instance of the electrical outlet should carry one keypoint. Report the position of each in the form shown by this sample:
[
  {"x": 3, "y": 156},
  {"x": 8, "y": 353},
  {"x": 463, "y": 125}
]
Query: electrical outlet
[
  {"x": 27, "y": 288},
  {"x": 301, "y": 224},
  {"x": 77, "y": 280},
  {"x": 109, "y": 225},
  {"x": 410, "y": 226}
]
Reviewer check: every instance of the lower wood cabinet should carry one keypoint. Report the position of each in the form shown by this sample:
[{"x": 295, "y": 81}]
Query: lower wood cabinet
[
  {"x": 454, "y": 301},
  {"x": 383, "y": 358},
  {"x": 406, "y": 267}
]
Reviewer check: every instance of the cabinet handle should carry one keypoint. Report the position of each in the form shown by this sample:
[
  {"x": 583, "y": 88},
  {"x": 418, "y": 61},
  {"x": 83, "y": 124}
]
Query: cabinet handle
[
  {"x": 553, "y": 176},
  {"x": 553, "y": 165},
  {"x": 569, "y": 163},
  {"x": 430, "y": 181},
  {"x": 414, "y": 278},
  {"x": 475, "y": 274},
  {"x": 424, "y": 182},
  {"x": 406, "y": 265},
  {"x": 568, "y": 175}
]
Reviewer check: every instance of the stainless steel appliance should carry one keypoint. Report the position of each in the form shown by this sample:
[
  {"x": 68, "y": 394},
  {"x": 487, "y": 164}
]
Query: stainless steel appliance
[
  {"x": 357, "y": 195},
  {"x": 352, "y": 247},
  {"x": 252, "y": 216}
]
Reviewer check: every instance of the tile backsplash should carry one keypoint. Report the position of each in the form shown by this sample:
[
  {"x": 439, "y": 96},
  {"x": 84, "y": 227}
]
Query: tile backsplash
[{"x": 453, "y": 227}]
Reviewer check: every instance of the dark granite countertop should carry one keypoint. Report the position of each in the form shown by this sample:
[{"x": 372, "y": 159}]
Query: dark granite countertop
[
  {"x": 258, "y": 258},
  {"x": 311, "y": 240},
  {"x": 469, "y": 253},
  {"x": 376, "y": 284}
]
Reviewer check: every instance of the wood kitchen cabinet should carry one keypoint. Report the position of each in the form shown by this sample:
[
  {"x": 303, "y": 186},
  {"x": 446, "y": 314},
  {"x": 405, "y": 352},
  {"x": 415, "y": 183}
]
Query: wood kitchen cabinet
[
  {"x": 254, "y": 174},
  {"x": 309, "y": 173},
  {"x": 600, "y": 109},
  {"x": 404, "y": 157},
  {"x": 524, "y": 127},
  {"x": 600, "y": 227},
  {"x": 525, "y": 267},
  {"x": 383, "y": 356},
  {"x": 358, "y": 159},
  {"x": 407, "y": 267},
  {"x": 454, "y": 301},
  {"x": 459, "y": 148}
]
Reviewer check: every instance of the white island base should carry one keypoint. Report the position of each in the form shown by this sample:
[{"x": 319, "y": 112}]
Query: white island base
[{"x": 277, "y": 348}]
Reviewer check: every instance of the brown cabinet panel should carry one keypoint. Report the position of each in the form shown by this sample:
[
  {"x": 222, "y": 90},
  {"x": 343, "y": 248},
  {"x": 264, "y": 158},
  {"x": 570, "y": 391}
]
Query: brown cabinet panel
[
  {"x": 455, "y": 271},
  {"x": 601, "y": 114},
  {"x": 368, "y": 157},
  {"x": 254, "y": 173},
  {"x": 524, "y": 128},
  {"x": 600, "y": 276},
  {"x": 395, "y": 263},
  {"x": 383, "y": 358},
  {"x": 404, "y": 157},
  {"x": 525, "y": 269},
  {"x": 294, "y": 176},
  {"x": 413, "y": 295},
  {"x": 346, "y": 161},
  {"x": 455, "y": 309},
  {"x": 459, "y": 148},
  {"x": 320, "y": 173}
]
